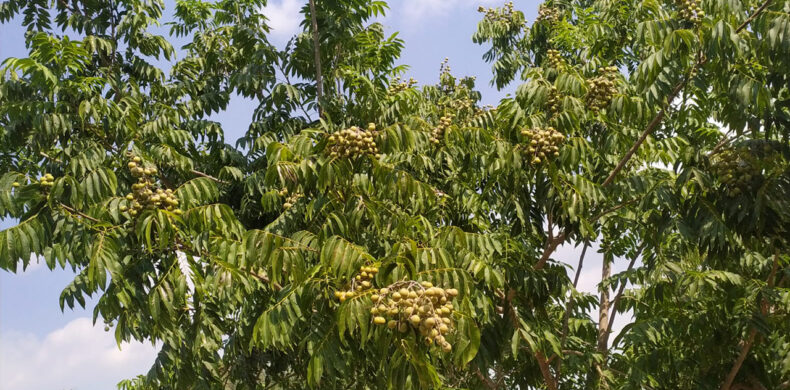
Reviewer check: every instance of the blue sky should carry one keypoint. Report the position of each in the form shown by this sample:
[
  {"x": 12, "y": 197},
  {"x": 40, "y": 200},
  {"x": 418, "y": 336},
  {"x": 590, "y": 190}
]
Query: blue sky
[{"x": 44, "y": 348}]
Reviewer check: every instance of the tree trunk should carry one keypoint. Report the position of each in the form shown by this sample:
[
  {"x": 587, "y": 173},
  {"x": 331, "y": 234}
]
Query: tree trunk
[{"x": 604, "y": 303}]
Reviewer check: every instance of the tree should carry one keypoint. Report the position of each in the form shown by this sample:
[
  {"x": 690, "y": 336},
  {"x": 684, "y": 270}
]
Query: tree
[{"x": 357, "y": 201}]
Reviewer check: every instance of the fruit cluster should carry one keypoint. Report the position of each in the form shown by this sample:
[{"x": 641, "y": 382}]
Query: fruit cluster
[
  {"x": 553, "y": 101},
  {"x": 736, "y": 170},
  {"x": 47, "y": 180},
  {"x": 554, "y": 58},
  {"x": 462, "y": 104},
  {"x": 420, "y": 306},
  {"x": 291, "y": 199},
  {"x": 360, "y": 283},
  {"x": 691, "y": 11},
  {"x": 602, "y": 88},
  {"x": 438, "y": 131},
  {"x": 144, "y": 194},
  {"x": 547, "y": 13},
  {"x": 353, "y": 142},
  {"x": 496, "y": 15},
  {"x": 396, "y": 85},
  {"x": 543, "y": 143},
  {"x": 444, "y": 67}
]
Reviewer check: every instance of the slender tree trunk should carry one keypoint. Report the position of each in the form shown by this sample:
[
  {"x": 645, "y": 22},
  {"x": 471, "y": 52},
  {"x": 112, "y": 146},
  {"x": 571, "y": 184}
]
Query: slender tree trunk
[
  {"x": 604, "y": 303},
  {"x": 317, "y": 54}
]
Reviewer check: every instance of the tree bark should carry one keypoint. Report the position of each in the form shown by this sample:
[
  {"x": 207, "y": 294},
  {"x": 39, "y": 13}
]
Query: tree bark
[
  {"x": 543, "y": 363},
  {"x": 604, "y": 303},
  {"x": 317, "y": 55}
]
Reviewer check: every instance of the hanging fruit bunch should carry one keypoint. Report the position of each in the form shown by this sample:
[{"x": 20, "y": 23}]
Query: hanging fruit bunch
[
  {"x": 396, "y": 85},
  {"x": 420, "y": 306},
  {"x": 361, "y": 282},
  {"x": 602, "y": 88},
  {"x": 691, "y": 11},
  {"x": 144, "y": 194},
  {"x": 462, "y": 104},
  {"x": 46, "y": 181},
  {"x": 438, "y": 132},
  {"x": 553, "y": 101},
  {"x": 555, "y": 59},
  {"x": 736, "y": 169},
  {"x": 543, "y": 144},
  {"x": 290, "y": 200},
  {"x": 354, "y": 142},
  {"x": 547, "y": 13}
]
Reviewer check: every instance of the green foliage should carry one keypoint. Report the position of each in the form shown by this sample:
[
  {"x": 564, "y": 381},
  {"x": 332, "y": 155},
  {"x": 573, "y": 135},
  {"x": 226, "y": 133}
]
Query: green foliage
[{"x": 652, "y": 107}]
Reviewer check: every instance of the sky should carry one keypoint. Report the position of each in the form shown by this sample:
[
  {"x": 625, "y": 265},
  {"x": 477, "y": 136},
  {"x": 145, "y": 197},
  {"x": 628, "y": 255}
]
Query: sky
[{"x": 44, "y": 348}]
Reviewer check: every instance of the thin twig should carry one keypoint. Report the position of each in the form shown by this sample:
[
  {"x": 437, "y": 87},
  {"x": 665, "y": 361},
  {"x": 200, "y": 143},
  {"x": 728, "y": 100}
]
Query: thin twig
[
  {"x": 317, "y": 54},
  {"x": 79, "y": 213},
  {"x": 194, "y": 172},
  {"x": 581, "y": 262}
]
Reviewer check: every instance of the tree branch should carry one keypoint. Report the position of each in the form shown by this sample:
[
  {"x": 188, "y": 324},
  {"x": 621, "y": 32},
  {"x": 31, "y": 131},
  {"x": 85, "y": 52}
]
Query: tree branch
[
  {"x": 754, "y": 15},
  {"x": 551, "y": 246},
  {"x": 581, "y": 263},
  {"x": 543, "y": 363},
  {"x": 551, "y": 382},
  {"x": 485, "y": 379},
  {"x": 78, "y": 213},
  {"x": 317, "y": 54},
  {"x": 650, "y": 127},
  {"x": 679, "y": 87},
  {"x": 749, "y": 342},
  {"x": 194, "y": 172}
]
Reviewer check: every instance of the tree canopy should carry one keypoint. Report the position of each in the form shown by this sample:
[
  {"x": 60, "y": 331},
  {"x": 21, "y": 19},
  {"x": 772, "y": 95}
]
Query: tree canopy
[{"x": 368, "y": 232}]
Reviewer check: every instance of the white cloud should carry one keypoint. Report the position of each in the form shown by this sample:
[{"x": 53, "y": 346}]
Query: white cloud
[
  {"x": 414, "y": 11},
  {"x": 78, "y": 356},
  {"x": 284, "y": 18}
]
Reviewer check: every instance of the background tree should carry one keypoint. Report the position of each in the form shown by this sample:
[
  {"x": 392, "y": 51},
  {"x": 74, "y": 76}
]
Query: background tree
[{"x": 277, "y": 261}]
